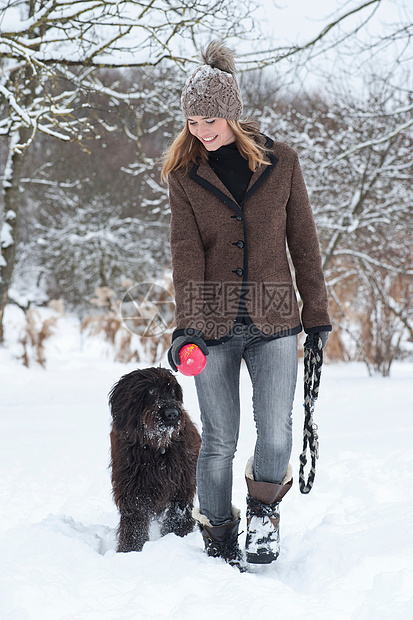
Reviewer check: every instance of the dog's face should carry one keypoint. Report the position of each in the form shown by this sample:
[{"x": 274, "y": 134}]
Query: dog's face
[{"x": 146, "y": 406}]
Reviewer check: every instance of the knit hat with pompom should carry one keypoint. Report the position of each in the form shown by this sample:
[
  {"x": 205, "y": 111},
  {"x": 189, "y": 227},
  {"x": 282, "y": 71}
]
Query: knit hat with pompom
[{"x": 212, "y": 90}]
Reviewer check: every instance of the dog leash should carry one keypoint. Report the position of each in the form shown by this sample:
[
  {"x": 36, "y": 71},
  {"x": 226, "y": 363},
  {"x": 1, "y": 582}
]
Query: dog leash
[{"x": 313, "y": 361}]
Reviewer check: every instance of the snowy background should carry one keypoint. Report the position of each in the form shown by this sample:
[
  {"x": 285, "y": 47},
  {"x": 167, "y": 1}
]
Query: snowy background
[
  {"x": 347, "y": 548},
  {"x": 98, "y": 218}
]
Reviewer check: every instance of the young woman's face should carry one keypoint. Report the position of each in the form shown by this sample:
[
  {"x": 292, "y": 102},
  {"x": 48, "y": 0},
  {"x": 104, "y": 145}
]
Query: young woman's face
[{"x": 212, "y": 132}]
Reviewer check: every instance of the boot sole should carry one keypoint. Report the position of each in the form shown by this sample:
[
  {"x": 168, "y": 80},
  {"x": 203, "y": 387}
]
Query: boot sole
[{"x": 253, "y": 558}]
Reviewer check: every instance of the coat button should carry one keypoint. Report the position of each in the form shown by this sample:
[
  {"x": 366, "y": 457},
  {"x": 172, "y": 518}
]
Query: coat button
[
  {"x": 239, "y": 218},
  {"x": 239, "y": 272},
  {"x": 240, "y": 244}
]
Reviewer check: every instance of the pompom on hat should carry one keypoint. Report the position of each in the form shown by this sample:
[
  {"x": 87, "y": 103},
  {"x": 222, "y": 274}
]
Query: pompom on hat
[{"x": 212, "y": 90}]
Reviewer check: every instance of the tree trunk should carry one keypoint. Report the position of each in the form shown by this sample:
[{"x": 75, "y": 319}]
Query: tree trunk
[
  {"x": 11, "y": 221},
  {"x": 10, "y": 226}
]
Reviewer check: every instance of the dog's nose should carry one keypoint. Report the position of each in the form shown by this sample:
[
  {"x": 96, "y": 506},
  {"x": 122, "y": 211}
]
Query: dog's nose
[{"x": 170, "y": 414}]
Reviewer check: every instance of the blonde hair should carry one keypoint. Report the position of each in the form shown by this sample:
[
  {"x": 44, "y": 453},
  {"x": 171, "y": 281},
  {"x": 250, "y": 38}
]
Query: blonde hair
[{"x": 186, "y": 148}]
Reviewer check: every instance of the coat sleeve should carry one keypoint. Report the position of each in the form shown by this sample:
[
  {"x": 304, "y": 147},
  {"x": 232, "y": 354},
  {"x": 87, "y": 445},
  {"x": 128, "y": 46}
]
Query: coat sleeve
[
  {"x": 188, "y": 259},
  {"x": 304, "y": 248}
]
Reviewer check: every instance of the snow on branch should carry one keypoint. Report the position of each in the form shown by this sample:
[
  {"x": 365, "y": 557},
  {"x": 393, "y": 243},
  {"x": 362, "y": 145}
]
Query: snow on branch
[
  {"x": 16, "y": 107},
  {"x": 369, "y": 143},
  {"x": 373, "y": 261},
  {"x": 91, "y": 32},
  {"x": 55, "y": 48},
  {"x": 13, "y": 26}
]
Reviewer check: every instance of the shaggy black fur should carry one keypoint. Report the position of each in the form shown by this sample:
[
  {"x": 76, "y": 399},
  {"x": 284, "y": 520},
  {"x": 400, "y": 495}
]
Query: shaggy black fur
[{"x": 154, "y": 450}]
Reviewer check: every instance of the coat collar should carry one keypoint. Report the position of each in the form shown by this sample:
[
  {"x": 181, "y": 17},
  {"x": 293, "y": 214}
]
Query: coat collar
[{"x": 203, "y": 174}]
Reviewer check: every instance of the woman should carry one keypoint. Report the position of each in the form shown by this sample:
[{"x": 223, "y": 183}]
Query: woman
[{"x": 237, "y": 197}]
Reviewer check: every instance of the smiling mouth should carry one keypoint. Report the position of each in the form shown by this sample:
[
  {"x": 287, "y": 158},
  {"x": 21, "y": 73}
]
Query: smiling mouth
[{"x": 209, "y": 139}]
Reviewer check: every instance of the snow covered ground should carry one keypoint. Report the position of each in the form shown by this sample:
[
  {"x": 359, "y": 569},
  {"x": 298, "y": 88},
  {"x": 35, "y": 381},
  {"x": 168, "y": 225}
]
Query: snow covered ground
[{"x": 347, "y": 547}]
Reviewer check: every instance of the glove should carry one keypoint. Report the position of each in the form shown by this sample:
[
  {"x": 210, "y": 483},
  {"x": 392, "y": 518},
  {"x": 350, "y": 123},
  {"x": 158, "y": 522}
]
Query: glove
[
  {"x": 311, "y": 339},
  {"x": 178, "y": 343}
]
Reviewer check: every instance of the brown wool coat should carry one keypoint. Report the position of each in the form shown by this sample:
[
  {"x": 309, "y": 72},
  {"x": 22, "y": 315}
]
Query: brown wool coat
[{"x": 228, "y": 256}]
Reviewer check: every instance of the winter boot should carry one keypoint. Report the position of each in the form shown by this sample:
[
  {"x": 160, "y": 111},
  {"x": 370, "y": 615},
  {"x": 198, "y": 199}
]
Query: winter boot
[
  {"x": 221, "y": 541},
  {"x": 263, "y": 517}
]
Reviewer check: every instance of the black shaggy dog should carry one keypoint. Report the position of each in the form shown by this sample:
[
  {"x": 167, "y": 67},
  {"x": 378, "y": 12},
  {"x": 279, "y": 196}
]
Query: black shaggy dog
[{"x": 154, "y": 450}]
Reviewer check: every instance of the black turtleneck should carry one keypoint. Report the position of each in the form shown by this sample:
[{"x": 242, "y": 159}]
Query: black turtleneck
[{"x": 232, "y": 169}]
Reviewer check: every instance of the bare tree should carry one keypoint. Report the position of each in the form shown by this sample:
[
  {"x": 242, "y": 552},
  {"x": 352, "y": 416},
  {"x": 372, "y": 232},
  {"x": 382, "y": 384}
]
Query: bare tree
[
  {"x": 69, "y": 191},
  {"x": 357, "y": 159},
  {"x": 343, "y": 29},
  {"x": 85, "y": 245},
  {"x": 50, "y": 52}
]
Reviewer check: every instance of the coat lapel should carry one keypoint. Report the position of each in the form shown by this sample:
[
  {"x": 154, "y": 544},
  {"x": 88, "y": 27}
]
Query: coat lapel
[
  {"x": 206, "y": 173},
  {"x": 259, "y": 176}
]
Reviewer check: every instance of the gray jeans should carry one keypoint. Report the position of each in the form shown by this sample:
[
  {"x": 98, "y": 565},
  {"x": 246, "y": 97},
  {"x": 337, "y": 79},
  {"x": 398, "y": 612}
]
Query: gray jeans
[{"x": 272, "y": 366}]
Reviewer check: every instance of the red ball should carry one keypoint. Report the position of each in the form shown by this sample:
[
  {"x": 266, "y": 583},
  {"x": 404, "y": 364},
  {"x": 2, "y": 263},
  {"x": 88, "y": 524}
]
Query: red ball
[{"x": 193, "y": 361}]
